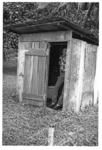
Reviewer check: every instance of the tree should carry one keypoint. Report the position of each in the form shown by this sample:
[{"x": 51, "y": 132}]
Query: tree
[{"x": 84, "y": 14}]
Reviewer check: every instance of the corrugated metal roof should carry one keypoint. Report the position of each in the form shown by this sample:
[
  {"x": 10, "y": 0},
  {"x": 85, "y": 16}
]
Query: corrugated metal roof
[{"x": 49, "y": 25}]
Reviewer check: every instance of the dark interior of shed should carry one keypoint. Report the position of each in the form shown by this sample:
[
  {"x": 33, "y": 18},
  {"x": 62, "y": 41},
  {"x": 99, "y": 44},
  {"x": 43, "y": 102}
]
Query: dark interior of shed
[{"x": 54, "y": 67}]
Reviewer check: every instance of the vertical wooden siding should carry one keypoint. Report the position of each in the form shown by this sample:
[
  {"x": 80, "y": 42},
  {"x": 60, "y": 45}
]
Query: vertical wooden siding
[
  {"x": 89, "y": 67},
  {"x": 80, "y": 74},
  {"x": 76, "y": 73},
  {"x": 32, "y": 64},
  {"x": 89, "y": 75},
  {"x": 98, "y": 78},
  {"x": 34, "y": 76}
]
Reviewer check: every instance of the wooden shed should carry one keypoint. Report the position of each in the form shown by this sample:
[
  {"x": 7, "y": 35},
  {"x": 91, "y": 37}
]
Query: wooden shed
[{"x": 40, "y": 45}]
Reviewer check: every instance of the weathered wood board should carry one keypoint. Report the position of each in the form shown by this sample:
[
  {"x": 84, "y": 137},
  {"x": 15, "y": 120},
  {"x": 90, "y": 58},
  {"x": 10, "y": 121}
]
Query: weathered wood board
[
  {"x": 58, "y": 36},
  {"x": 80, "y": 74},
  {"x": 74, "y": 75},
  {"x": 34, "y": 75},
  {"x": 98, "y": 77},
  {"x": 89, "y": 75}
]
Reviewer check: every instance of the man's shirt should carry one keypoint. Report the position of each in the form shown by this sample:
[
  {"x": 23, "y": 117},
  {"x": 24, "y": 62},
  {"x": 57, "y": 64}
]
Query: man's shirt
[{"x": 62, "y": 62}]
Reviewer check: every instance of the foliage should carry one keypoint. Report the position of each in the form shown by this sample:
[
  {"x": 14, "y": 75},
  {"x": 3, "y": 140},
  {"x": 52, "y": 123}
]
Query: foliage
[
  {"x": 13, "y": 13},
  {"x": 17, "y": 12}
]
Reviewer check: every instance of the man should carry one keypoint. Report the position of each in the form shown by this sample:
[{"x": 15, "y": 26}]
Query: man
[{"x": 58, "y": 102}]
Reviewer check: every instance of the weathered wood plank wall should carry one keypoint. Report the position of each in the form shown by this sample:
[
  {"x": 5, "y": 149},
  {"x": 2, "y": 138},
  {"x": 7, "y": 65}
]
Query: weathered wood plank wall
[
  {"x": 74, "y": 76},
  {"x": 89, "y": 75},
  {"x": 98, "y": 78},
  {"x": 80, "y": 75}
]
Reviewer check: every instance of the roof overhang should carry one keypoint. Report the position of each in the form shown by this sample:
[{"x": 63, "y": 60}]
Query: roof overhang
[{"x": 59, "y": 24}]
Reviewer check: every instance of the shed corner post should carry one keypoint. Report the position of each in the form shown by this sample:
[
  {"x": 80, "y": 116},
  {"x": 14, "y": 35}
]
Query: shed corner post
[
  {"x": 19, "y": 93},
  {"x": 20, "y": 68},
  {"x": 67, "y": 74},
  {"x": 98, "y": 77}
]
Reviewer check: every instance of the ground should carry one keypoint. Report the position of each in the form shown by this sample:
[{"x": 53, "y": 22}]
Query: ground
[{"x": 29, "y": 125}]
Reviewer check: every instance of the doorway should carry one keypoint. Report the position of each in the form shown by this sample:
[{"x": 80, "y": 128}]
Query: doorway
[{"x": 54, "y": 69}]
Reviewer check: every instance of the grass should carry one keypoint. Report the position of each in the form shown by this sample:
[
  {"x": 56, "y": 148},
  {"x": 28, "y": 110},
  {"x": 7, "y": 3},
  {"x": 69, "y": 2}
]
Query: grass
[{"x": 28, "y": 125}]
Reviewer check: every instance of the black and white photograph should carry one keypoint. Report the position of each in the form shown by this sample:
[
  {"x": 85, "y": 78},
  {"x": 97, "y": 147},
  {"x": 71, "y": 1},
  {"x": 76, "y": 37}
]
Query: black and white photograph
[{"x": 51, "y": 73}]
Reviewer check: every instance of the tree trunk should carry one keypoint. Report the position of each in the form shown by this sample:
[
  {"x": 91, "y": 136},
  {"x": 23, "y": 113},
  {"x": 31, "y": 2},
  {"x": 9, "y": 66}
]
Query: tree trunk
[{"x": 88, "y": 13}]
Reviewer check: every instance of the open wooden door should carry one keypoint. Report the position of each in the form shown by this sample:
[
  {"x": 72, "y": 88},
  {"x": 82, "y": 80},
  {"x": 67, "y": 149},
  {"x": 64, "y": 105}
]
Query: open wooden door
[{"x": 36, "y": 76}]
